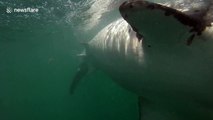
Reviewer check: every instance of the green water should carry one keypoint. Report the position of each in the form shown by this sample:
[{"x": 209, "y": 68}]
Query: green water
[{"x": 37, "y": 62}]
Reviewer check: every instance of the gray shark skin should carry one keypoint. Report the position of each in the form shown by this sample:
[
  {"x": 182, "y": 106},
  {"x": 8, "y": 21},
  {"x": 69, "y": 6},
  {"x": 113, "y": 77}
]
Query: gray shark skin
[
  {"x": 113, "y": 49},
  {"x": 161, "y": 54},
  {"x": 179, "y": 60}
]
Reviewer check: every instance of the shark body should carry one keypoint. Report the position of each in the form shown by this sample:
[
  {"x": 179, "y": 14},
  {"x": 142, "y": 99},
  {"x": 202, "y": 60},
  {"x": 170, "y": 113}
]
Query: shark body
[{"x": 163, "y": 56}]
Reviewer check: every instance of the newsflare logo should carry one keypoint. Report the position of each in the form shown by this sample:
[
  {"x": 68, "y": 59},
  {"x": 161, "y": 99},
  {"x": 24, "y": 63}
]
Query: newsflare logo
[
  {"x": 9, "y": 10},
  {"x": 21, "y": 10}
]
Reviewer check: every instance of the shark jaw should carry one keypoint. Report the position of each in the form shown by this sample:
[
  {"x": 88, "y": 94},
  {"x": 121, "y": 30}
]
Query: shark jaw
[{"x": 163, "y": 24}]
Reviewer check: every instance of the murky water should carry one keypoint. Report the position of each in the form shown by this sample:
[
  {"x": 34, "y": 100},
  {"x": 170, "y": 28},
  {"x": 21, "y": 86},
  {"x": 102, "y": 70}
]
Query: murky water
[{"x": 38, "y": 60}]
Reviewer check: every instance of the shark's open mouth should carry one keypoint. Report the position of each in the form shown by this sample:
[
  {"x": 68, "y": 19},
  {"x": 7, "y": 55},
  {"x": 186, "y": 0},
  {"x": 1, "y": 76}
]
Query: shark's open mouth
[{"x": 196, "y": 20}]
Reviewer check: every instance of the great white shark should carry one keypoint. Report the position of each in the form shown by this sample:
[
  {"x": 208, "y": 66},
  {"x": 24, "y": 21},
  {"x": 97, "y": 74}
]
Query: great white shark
[{"x": 163, "y": 55}]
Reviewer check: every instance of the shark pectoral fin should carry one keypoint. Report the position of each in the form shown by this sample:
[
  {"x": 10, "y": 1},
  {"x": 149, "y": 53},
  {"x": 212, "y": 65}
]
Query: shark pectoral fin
[{"x": 81, "y": 72}]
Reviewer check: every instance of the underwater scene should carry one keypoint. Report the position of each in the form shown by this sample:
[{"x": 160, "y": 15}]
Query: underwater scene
[
  {"x": 44, "y": 45},
  {"x": 39, "y": 57}
]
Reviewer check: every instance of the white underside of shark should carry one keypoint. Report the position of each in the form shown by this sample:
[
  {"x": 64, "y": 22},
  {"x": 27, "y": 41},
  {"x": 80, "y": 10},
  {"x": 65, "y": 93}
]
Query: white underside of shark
[{"x": 175, "y": 82}]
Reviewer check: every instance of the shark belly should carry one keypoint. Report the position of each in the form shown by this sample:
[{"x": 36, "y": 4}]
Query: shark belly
[
  {"x": 176, "y": 84},
  {"x": 118, "y": 52}
]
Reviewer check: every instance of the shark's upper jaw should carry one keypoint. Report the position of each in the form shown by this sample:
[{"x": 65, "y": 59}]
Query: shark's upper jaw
[{"x": 149, "y": 18}]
